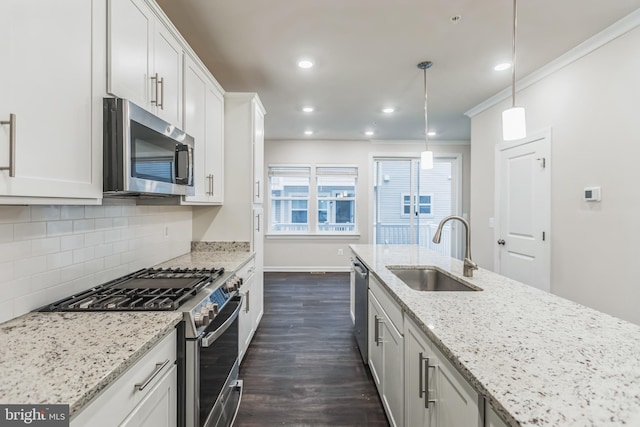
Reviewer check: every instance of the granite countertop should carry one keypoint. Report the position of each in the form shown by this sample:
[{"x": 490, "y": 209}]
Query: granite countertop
[
  {"x": 68, "y": 358},
  {"x": 539, "y": 359}
]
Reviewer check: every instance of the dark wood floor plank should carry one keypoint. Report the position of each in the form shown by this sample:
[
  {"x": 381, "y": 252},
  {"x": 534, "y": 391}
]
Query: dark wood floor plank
[{"x": 303, "y": 367}]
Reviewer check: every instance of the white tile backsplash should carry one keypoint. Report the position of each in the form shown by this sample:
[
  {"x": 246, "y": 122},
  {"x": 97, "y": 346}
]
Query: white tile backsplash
[{"x": 50, "y": 252}]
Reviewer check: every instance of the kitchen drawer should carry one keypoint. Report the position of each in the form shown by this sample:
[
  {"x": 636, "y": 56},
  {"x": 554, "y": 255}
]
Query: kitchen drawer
[
  {"x": 116, "y": 401},
  {"x": 247, "y": 270},
  {"x": 390, "y": 306}
]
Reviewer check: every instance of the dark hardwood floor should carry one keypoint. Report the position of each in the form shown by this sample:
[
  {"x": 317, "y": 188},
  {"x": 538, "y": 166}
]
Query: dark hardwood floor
[{"x": 303, "y": 367}]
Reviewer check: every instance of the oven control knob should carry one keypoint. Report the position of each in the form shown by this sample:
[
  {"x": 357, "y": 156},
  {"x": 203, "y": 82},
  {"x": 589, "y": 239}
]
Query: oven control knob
[
  {"x": 212, "y": 310},
  {"x": 197, "y": 319}
]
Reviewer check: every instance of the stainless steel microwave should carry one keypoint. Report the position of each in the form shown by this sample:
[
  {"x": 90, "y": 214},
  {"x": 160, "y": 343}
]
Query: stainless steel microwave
[{"x": 143, "y": 154}]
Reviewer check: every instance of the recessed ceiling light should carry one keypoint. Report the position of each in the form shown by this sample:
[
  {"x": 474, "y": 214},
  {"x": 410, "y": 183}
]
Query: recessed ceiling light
[
  {"x": 388, "y": 110},
  {"x": 308, "y": 132},
  {"x": 307, "y": 109},
  {"x": 305, "y": 63},
  {"x": 502, "y": 67},
  {"x": 369, "y": 133},
  {"x": 431, "y": 133}
]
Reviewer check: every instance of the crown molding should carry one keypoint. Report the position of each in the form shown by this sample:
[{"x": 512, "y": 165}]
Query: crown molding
[{"x": 593, "y": 43}]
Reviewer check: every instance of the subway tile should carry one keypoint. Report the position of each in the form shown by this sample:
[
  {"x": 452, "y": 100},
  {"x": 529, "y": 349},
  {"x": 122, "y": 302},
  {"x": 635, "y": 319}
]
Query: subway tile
[
  {"x": 59, "y": 260},
  {"x": 93, "y": 266},
  {"x": 15, "y": 250},
  {"x": 45, "y": 213},
  {"x": 104, "y": 223},
  {"x": 112, "y": 236},
  {"x": 45, "y": 280},
  {"x": 119, "y": 247},
  {"x": 20, "y": 287},
  {"x": 59, "y": 228},
  {"x": 29, "y": 266},
  {"x": 45, "y": 246},
  {"x": 83, "y": 225},
  {"x": 29, "y": 302},
  {"x": 6, "y": 233},
  {"x": 71, "y": 242},
  {"x": 121, "y": 221},
  {"x": 104, "y": 250},
  {"x": 94, "y": 211},
  {"x": 29, "y": 230},
  {"x": 72, "y": 272},
  {"x": 59, "y": 292},
  {"x": 113, "y": 211},
  {"x": 6, "y": 310},
  {"x": 72, "y": 212},
  {"x": 13, "y": 214},
  {"x": 6, "y": 271},
  {"x": 83, "y": 254},
  {"x": 94, "y": 239},
  {"x": 112, "y": 261},
  {"x": 128, "y": 257}
]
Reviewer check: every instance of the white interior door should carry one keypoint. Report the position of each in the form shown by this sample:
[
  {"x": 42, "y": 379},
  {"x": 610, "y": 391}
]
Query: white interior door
[{"x": 523, "y": 207}]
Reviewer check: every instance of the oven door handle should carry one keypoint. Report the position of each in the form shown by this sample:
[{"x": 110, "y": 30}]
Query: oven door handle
[{"x": 212, "y": 336}]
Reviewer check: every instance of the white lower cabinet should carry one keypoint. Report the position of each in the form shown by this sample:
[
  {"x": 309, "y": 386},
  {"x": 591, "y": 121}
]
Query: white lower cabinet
[
  {"x": 436, "y": 393},
  {"x": 252, "y": 306},
  {"x": 144, "y": 396},
  {"x": 491, "y": 418},
  {"x": 386, "y": 349}
]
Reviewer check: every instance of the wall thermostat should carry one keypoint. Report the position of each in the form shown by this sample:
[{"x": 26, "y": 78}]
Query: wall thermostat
[{"x": 592, "y": 194}]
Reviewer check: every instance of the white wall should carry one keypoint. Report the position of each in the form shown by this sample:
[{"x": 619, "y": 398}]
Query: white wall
[
  {"x": 321, "y": 253},
  {"x": 50, "y": 252},
  {"x": 591, "y": 106}
]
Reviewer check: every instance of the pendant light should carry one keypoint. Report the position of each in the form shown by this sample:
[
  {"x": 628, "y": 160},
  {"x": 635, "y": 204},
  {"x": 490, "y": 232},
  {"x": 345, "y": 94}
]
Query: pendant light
[
  {"x": 513, "y": 119},
  {"x": 426, "y": 157}
]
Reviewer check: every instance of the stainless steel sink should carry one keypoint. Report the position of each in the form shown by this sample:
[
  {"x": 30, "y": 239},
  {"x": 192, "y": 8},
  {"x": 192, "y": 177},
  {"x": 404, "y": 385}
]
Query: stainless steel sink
[{"x": 429, "y": 279}]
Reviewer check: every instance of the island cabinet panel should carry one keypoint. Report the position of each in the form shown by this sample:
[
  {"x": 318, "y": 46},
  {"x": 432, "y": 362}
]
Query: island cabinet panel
[
  {"x": 386, "y": 349},
  {"x": 437, "y": 394},
  {"x": 144, "y": 395}
]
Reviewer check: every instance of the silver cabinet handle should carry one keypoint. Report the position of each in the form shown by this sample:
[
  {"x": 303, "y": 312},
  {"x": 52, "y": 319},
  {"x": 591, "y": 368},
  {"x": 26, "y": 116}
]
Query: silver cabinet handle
[
  {"x": 161, "y": 86},
  {"x": 159, "y": 368},
  {"x": 12, "y": 144},
  {"x": 421, "y": 390},
  {"x": 377, "y": 336},
  {"x": 258, "y": 188},
  {"x": 258, "y": 222},
  {"x": 210, "y": 184},
  {"x": 427, "y": 399},
  {"x": 246, "y": 305},
  {"x": 155, "y": 83}
]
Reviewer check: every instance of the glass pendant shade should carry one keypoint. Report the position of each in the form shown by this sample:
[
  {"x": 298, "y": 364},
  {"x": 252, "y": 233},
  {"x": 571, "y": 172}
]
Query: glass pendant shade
[
  {"x": 426, "y": 160},
  {"x": 513, "y": 124}
]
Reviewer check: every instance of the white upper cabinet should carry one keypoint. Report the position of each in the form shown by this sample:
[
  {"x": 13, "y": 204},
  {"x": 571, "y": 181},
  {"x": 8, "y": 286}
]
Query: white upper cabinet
[
  {"x": 258, "y": 152},
  {"x": 144, "y": 60},
  {"x": 204, "y": 120},
  {"x": 52, "y": 83}
]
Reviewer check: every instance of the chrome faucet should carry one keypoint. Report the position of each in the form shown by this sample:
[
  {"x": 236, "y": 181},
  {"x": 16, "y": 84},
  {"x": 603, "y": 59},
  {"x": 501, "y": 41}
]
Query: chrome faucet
[{"x": 469, "y": 265}]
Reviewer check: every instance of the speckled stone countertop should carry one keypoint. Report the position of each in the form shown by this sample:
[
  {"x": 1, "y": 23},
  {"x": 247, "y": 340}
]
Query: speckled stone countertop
[
  {"x": 539, "y": 359},
  {"x": 68, "y": 358},
  {"x": 229, "y": 260}
]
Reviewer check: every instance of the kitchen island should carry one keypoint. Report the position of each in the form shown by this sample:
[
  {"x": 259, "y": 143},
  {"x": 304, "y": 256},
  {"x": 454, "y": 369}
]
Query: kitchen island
[{"x": 538, "y": 359}]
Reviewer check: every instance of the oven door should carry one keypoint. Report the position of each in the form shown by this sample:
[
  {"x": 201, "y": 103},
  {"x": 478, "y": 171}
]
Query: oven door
[{"x": 219, "y": 390}]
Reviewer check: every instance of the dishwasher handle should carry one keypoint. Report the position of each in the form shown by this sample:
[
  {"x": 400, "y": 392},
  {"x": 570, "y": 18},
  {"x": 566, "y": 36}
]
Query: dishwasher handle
[{"x": 360, "y": 269}]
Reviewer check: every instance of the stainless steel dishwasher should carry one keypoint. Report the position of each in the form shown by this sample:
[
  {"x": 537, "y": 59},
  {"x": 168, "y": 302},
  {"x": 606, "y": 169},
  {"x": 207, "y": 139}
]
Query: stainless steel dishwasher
[{"x": 360, "y": 307}]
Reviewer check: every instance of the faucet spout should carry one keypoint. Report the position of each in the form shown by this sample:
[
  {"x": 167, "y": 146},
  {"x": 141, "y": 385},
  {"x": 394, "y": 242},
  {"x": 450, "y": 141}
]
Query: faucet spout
[{"x": 469, "y": 265}]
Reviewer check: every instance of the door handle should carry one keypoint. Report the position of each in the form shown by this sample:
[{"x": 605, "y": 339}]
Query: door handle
[
  {"x": 155, "y": 83},
  {"x": 501, "y": 242},
  {"x": 161, "y": 86},
  {"x": 12, "y": 144}
]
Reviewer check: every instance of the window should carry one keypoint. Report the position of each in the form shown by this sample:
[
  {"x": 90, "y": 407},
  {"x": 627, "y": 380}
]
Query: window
[
  {"x": 289, "y": 190},
  {"x": 336, "y": 195},
  {"x": 423, "y": 205},
  {"x": 297, "y": 207}
]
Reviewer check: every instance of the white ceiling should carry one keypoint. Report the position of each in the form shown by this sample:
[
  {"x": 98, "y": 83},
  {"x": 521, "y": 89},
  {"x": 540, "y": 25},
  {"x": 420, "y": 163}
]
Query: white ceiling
[{"x": 366, "y": 52}]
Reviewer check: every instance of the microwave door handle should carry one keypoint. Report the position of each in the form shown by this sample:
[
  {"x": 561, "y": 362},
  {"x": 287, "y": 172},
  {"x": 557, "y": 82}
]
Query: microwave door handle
[{"x": 180, "y": 179}]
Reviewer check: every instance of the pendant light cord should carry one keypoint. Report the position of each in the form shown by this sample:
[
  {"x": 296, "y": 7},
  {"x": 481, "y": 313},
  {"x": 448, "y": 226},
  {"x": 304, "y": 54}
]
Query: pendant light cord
[
  {"x": 513, "y": 54},
  {"x": 426, "y": 121}
]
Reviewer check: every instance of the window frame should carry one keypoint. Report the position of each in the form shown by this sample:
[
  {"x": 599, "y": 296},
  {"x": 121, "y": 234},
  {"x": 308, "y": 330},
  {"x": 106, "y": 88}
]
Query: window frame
[{"x": 416, "y": 204}]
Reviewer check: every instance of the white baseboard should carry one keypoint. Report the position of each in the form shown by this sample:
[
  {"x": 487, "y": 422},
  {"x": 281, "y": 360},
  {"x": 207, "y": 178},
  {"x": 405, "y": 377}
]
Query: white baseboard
[{"x": 307, "y": 269}]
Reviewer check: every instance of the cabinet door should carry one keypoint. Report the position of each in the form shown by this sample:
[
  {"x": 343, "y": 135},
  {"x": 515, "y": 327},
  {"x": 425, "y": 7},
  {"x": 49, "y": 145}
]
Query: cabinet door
[
  {"x": 214, "y": 129},
  {"x": 417, "y": 349},
  {"x": 258, "y": 154},
  {"x": 456, "y": 402},
  {"x": 375, "y": 318},
  {"x": 159, "y": 407},
  {"x": 47, "y": 83},
  {"x": 491, "y": 417},
  {"x": 130, "y": 27},
  {"x": 167, "y": 59},
  {"x": 194, "y": 124},
  {"x": 257, "y": 295},
  {"x": 245, "y": 319},
  {"x": 393, "y": 373}
]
